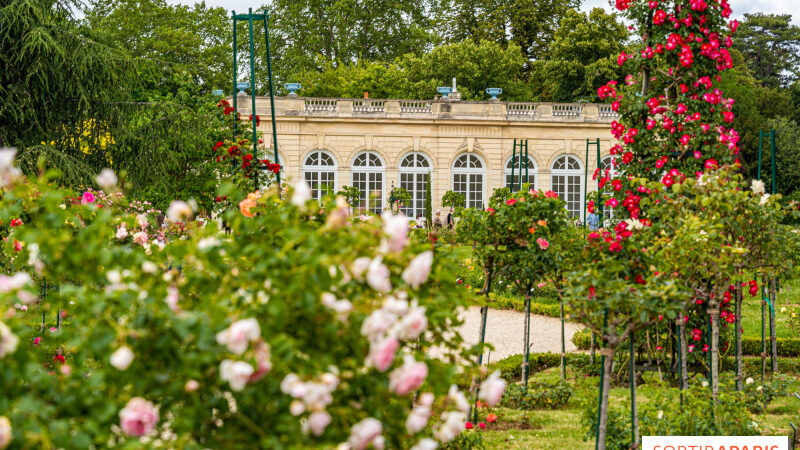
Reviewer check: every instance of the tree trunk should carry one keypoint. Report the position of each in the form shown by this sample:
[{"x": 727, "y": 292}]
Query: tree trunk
[
  {"x": 564, "y": 345},
  {"x": 772, "y": 331},
  {"x": 738, "y": 324},
  {"x": 684, "y": 369},
  {"x": 526, "y": 340},
  {"x": 605, "y": 388},
  {"x": 714, "y": 318}
]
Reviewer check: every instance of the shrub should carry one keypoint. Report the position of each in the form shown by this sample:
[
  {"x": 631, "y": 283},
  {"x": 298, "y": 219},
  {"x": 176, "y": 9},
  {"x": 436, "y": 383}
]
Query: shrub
[
  {"x": 730, "y": 417},
  {"x": 537, "y": 395},
  {"x": 214, "y": 338},
  {"x": 511, "y": 367}
]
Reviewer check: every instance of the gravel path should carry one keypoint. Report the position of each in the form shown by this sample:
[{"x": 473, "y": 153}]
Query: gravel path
[{"x": 505, "y": 330}]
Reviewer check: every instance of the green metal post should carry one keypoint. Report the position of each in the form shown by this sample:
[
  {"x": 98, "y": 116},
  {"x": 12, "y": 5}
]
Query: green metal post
[
  {"x": 602, "y": 376},
  {"x": 760, "y": 139},
  {"x": 772, "y": 150},
  {"x": 763, "y": 338},
  {"x": 527, "y": 179},
  {"x": 599, "y": 200},
  {"x": 708, "y": 339},
  {"x": 513, "y": 163},
  {"x": 563, "y": 343},
  {"x": 272, "y": 98},
  {"x": 585, "y": 180},
  {"x": 484, "y": 312},
  {"x": 253, "y": 85},
  {"x": 527, "y": 342},
  {"x": 235, "y": 75},
  {"x": 738, "y": 332}
]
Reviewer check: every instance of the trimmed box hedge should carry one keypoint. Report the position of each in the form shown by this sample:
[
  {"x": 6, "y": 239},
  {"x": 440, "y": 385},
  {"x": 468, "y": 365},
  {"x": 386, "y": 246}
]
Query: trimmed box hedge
[
  {"x": 511, "y": 367},
  {"x": 787, "y": 347}
]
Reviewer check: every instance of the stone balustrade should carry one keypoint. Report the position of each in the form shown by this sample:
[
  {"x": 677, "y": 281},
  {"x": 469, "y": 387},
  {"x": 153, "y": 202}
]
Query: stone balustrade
[{"x": 431, "y": 109}]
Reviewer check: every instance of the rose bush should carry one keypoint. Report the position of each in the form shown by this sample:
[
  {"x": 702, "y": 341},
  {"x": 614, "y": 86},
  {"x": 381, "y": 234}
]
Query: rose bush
[{"x": 298, "y": 328}]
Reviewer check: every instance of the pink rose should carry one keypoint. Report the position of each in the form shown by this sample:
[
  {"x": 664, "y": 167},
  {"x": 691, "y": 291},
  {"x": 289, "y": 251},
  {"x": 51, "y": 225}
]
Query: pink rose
[
  {"x": 364, "y": 433},
  {"x": 381, "y": 354},
  {"x": 87, "y": 198},
  {"x": 236, "y": 373},
  {"x": 378, "y": 276},
  {"x": 418, "y": 419},
  {"x": 239, "y": 334},
  {"x": 396, "y": 228},
  {"x": 139, "y": 417},
  {"x": 318, "y": 421},
  {"x": 377, "y": 324},
  {"x": 191, "y": 386},
  {"x": 492, "y": 389},
  {"x": 408, "y": 377},
  {"x": 418, "y": 269},
  {"x": 543, "y": 244},
  {"x": 122, "y": 232},
  {"x": 413, "y": 324},
  {"x": 140, "y": 238}
]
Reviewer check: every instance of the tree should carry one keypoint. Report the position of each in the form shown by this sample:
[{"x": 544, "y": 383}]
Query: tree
[
  {"x": 453, "y": 199},
  {"x": 530, "y": 24},
  {"x": 581, "y": 56},
  {"x": 771, "y": 47},
  {"x": 54, "y": 73},
  {"x": 342, "y": 32},
  {"x": 172, "y": 38}
]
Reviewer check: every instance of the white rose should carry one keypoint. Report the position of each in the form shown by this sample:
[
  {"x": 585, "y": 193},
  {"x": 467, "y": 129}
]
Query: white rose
[
  {"x": 122, "y": 358},
  {"x": 492, "y": 389},
  {"x": 236, "y": 373},
  {"x": 757, "y": 186},
  {"x": 426, "y": 444},
  {"x": 364, "y": 433},
  {"x": 301, "y": 194},
  {"x": 457, "y": 397},
  {"x": 377, "y": 324},
  {"x": 8, "y": 341},
  {"x": 749, "y": 381},
  {"x": 318, "y": 421},
  {"x": 178, "y": 211},
  {"x": 122, "y": 232},
  {"x": 359, "y": 266},
  {"x": 453, "y": 423},
  {"x": 106, "y": 179}
]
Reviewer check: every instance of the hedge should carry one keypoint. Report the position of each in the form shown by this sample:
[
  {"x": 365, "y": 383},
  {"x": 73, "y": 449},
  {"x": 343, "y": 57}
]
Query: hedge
[
  {"x": 511, "y": 367},
  {"x": 787, "y": 347},
  {"x": 518, "y": 304}
]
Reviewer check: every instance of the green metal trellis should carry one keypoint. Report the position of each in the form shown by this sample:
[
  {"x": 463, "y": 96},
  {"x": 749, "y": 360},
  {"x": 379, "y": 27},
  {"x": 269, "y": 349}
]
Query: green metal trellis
[
  {"x": 250, "y": 18},
  {"x": 514, "y": 159}
]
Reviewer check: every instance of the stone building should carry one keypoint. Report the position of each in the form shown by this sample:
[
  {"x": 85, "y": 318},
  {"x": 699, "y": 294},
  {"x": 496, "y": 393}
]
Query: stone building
[{"x": 464, "y": 146}]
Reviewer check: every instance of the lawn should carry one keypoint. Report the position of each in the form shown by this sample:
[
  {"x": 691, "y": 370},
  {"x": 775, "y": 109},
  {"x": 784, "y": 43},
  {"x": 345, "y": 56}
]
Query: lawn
[{"x": 546, "y": 429}]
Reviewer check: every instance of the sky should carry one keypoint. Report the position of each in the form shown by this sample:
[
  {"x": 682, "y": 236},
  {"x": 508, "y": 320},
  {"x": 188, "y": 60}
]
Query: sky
[{"x": 740, "y": 7}]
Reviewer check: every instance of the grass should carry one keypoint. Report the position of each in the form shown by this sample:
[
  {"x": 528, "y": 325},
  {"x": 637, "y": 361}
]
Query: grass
[{"x": 544, "y": 429}]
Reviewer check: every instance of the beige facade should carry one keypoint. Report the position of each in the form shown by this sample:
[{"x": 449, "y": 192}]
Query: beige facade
[{"x": 442, "y": 131}]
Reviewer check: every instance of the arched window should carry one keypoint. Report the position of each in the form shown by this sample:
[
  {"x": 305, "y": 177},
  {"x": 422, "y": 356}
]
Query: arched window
[
  {"x": 368, "y": 171},
  {"x": 519, "y": 171},
  {"x": 414, "y": 171},
  {"x": 319, "y": 172},
  {"x": 468, "y": 174},
  {"x": 566, "y": 179},
  {"x": 608, "y": 164}
]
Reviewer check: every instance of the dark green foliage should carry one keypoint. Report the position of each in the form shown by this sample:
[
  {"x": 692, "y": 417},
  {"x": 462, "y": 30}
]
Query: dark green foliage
[
  {"x": 511, "y": 367},
  {"x": 537, "y": 395}
]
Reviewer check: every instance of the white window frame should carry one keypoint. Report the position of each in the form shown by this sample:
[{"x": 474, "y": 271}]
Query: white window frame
[
  {"x": 469, "y": 171},
  {"x": 318, "y": 168},
  {"x": 369, "y": 169},
  {"x": 507, "y": 171},
  {"x": 414, "y": 171},
  {"x": 567, "y": 173}
]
